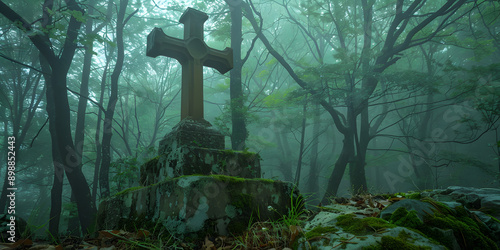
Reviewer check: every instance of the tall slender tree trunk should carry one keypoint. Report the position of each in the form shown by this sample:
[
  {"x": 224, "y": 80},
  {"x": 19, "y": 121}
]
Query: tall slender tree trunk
[
  {"x": 302, "y": 142},
  {"x": 239, "y": 130},
  {"x": 73, "y": 224},
  {"x": 110, "y": 110},
  {"x": 340, "y": 165},
  {"x": 357, "y": 168},
  {"x": 313, "y": 179},
  {"x": 97, "y": 140}
]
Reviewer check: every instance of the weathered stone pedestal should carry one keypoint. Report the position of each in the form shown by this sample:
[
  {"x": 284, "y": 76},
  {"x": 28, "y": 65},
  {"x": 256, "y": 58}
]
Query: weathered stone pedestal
[
  {"x": 194, "y": 147},
  {"x": 195, "y": 187},
  {"x": 196, "y": 206}
]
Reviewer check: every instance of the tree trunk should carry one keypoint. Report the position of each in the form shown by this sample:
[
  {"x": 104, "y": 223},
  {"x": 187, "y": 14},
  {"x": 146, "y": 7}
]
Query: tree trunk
[
  {"x": 313, "y": 180},
  {"x": 64, "y": 153},
  {"x": 340, "y": 165},
  {"x": 98, "y": 131},
  {"x": 357, "y": 168},
  {"x": 73, "y": 224},
  {"x": 302, "y": 142},
  {"x": 63, "y": 149},
  {"x": 239, "y": 130},
  {"x": 110, "y": 111}
]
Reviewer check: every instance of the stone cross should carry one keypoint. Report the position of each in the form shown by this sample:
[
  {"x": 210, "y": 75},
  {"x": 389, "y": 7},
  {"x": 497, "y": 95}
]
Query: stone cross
[{"x": 192, "y": 53}]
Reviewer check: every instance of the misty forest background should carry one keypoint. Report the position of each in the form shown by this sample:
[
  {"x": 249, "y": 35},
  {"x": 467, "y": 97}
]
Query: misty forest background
[{"x": 340, "y": 97}]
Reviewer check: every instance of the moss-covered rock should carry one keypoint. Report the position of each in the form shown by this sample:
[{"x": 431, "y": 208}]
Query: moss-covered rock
[
  {"x": 398, "y": 243},
  {"x": 403, "y": 218},
  {"x": 196, "y": 205},
  {"x": 448, "y": 226}
]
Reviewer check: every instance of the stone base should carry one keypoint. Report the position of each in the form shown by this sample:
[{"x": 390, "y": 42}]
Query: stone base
[
  {"x": 191, "y": 133},
  {"x": 202, "y": 161},
  {"x": 196, "y": 206}
]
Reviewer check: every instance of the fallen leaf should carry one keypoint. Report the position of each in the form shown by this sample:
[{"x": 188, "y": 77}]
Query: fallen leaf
[
  {"x": 142, "y": 234},
  {"x": 22, "y": 242},
  {"x": 295, "y": 231}
]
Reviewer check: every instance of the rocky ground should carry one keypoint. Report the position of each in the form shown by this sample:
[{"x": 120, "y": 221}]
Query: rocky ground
[{"x": 452, "y": 218}]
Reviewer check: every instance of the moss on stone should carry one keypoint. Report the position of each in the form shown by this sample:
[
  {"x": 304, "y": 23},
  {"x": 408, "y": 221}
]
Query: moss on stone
[
  {"x": 440, "y": 207},
  {"x": 242, "y": 201},
  {"x": 319, "y": 231},
  {"x": 265, "y": 180},
  {"x": 415, "y": 195},
  {"x": 357, "y": 226},
  {"x": 402, "y": 217},
  {"x": 397, "y": 243},
  {"x": 467, "y": 232},
  {"x": 227, "y": 178},
  {"x": 403, "y": 241},
  {"x": 128, "y": 190}
]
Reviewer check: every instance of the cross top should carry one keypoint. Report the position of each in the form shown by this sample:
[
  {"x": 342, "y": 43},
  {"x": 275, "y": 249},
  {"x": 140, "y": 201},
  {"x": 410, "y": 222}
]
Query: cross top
[{"x": 192, "y": 53}]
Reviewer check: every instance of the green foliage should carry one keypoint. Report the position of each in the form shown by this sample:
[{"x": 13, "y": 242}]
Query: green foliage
[
  {"x": 410, "y": 80},
  {"x": 78, "y": 15},
  {"x": 279, "y": 98},
  {"x": 296, "y": 210},
  {"x": 125, "y": 172}
]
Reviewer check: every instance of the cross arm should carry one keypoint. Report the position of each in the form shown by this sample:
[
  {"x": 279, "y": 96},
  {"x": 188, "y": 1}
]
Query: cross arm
[
  {"x": 159, "y": 44},
  {"x": 221, "y": 60}
]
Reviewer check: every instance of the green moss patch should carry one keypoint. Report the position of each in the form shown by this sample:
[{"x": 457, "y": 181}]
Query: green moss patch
[
  {"x": 468, "y": 232},
  {"x": 319, "y": 231},
  {"x": 397, "y": 243},
  {"x": 403, "y": 218},
  {"x": 364, "y": 226},
  {"x": 403, "y": 241}
]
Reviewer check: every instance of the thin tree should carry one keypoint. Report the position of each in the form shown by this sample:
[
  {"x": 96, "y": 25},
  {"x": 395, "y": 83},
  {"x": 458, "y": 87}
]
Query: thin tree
[
  {"x": 110, "y": 110},
  {"x": 55, "y": 65}
]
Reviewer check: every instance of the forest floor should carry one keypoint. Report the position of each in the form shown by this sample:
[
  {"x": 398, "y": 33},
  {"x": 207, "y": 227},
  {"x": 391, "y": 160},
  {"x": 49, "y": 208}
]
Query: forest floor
[
  {"x": 261, "y": 235},
  {"x": 318, "y": 227}
]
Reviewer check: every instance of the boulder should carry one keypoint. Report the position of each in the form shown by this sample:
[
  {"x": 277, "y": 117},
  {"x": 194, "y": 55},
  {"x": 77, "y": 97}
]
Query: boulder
[
  {"x": 486, "y": 199},
  {"x": 421, "y": 208}
]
